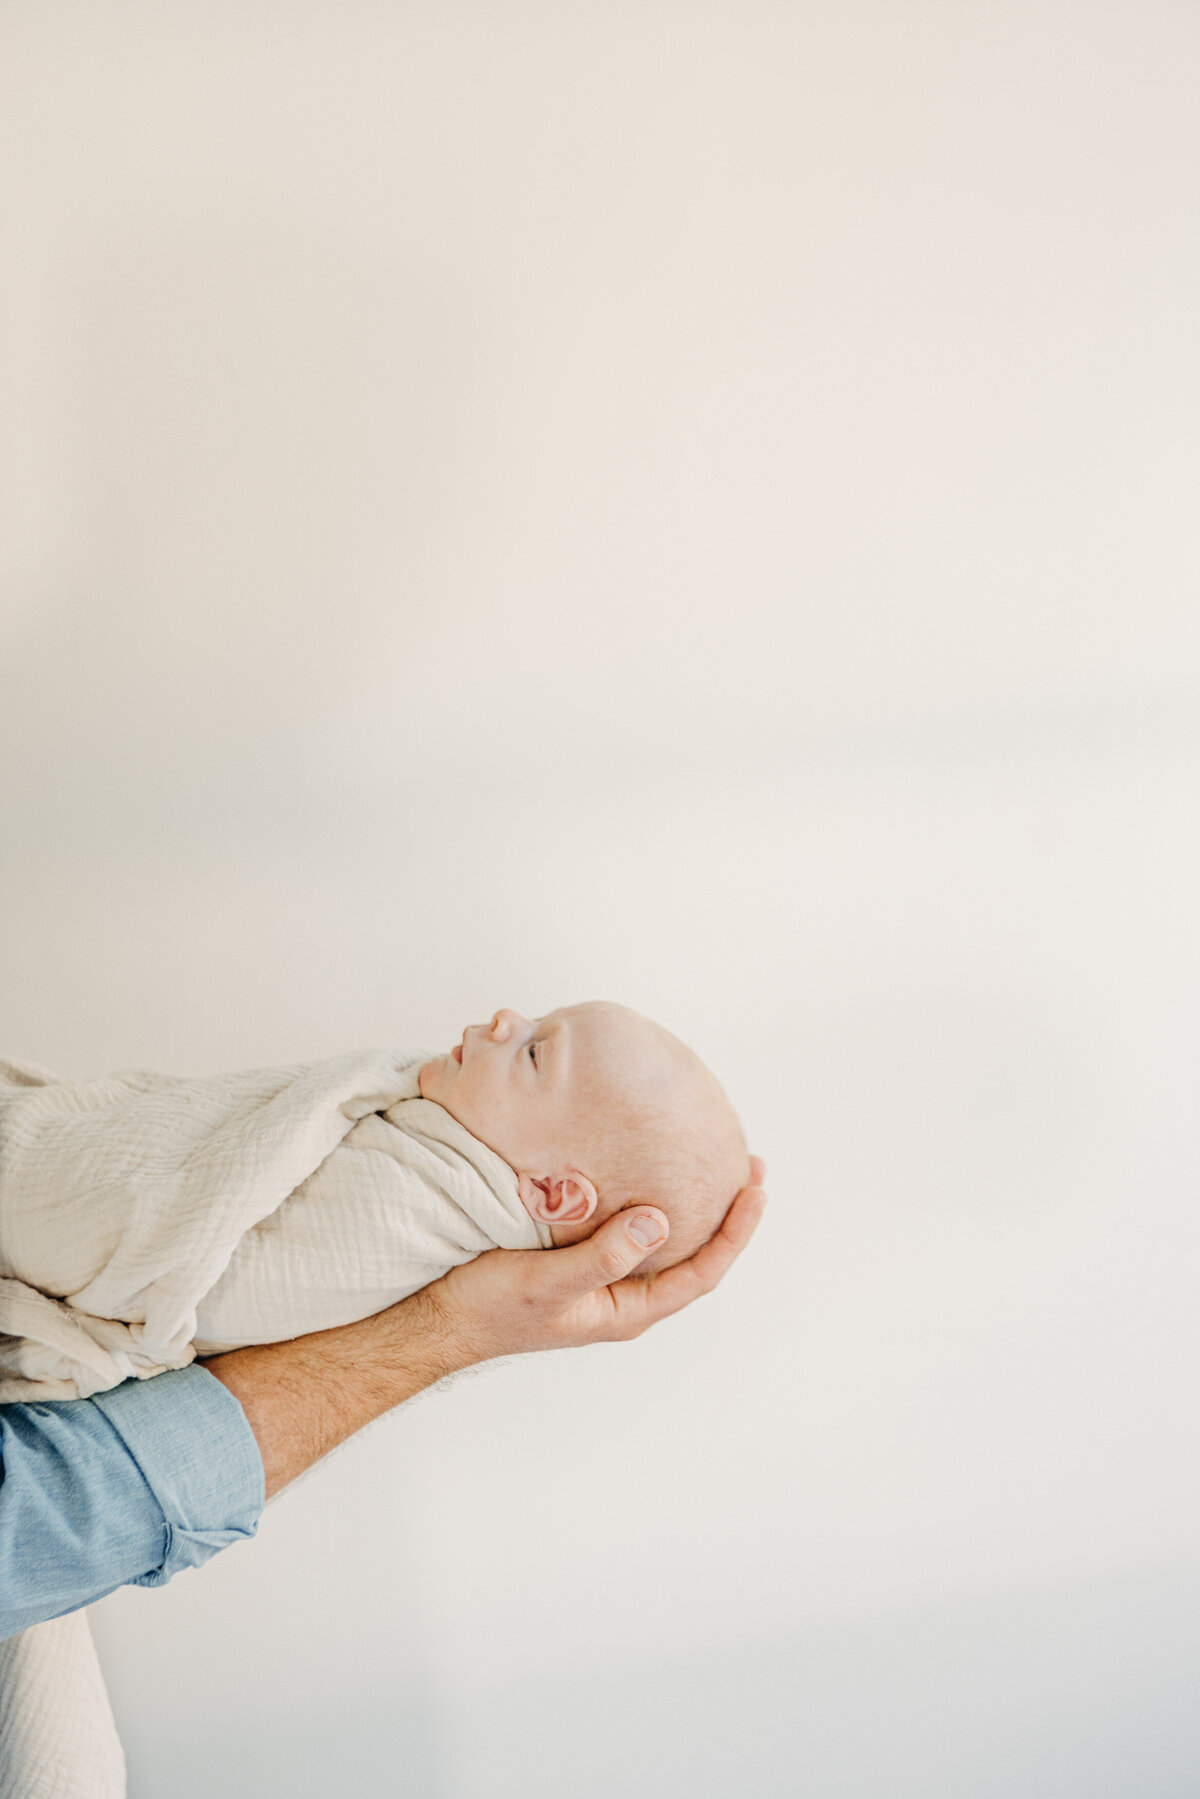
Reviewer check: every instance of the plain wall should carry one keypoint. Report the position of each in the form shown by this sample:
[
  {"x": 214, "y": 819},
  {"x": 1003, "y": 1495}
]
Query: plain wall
[{"x": 695, "y": 505}]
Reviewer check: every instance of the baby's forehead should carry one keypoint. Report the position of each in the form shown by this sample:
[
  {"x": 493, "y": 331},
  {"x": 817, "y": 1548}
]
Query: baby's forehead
[
  {"x": 602, "y": 1021},
  {"x": 610, "y": 1039}
]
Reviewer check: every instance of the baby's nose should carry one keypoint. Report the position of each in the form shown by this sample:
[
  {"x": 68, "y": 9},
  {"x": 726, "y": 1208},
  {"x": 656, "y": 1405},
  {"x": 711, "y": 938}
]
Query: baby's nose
[{"x": 504, "y": 1023}]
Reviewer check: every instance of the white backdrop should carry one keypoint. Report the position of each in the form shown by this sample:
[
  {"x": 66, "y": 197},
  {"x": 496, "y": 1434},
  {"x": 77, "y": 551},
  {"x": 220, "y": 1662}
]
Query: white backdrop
[{"x": 514, "y": 503}]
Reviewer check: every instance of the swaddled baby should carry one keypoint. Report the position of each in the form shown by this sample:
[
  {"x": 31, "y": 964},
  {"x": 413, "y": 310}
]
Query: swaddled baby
[{"x": 144, "y": 1219}]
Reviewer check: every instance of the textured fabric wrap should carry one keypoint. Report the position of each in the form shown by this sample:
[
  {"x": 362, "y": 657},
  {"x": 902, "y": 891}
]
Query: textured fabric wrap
[{"x": 147, "y": 1217}]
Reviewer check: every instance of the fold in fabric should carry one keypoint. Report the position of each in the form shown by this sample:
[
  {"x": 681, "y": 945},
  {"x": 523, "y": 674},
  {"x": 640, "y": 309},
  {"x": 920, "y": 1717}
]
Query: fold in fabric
[{"x": 145, "y": 1218}]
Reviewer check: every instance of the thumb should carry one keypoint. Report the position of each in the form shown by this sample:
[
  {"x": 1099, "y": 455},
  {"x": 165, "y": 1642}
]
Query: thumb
[{"x": 612, "y": 1252}]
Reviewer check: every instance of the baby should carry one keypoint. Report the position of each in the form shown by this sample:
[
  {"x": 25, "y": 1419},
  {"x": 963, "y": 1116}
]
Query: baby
[
  {"x": 145, "y": 1219},
  {"x": 595, "y": 1108}
]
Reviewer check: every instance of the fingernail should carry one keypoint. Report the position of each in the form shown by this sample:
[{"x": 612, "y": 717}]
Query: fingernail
[{"x": 646, "y": 1231}]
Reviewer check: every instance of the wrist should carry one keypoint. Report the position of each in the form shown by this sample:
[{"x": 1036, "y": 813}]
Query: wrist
[
  {"x": 305, "y": 1396},
  {"x": 412, "y": 1345},
  {"x": 429, "y": 1335}
]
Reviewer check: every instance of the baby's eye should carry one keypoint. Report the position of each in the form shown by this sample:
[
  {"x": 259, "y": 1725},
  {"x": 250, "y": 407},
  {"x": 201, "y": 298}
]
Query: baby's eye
[{"x": 533, "y": 1053}]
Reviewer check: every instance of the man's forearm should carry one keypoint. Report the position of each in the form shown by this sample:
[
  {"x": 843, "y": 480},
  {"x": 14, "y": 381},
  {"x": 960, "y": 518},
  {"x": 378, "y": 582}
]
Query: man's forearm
[
  {"x": 157, "y": 1475},
  {"x": 302, "y": 1398}
]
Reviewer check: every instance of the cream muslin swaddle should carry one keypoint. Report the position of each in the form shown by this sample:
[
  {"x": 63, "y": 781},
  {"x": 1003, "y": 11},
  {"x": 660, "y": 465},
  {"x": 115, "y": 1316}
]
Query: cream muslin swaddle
[{"x": 146, "y": 1217}]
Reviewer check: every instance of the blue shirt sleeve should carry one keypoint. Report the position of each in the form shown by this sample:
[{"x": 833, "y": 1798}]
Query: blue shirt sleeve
[{"x": 128, "y": 1486}]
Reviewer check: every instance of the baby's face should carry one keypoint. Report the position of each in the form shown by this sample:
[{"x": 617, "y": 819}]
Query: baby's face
[
  {"x": 535, "y": 1089},
  {"x": 595, "y": 1107}
]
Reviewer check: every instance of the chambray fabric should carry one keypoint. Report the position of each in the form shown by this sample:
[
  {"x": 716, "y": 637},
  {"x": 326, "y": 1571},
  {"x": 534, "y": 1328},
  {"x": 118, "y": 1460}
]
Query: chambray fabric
[{"x": 127, "y": 1487}]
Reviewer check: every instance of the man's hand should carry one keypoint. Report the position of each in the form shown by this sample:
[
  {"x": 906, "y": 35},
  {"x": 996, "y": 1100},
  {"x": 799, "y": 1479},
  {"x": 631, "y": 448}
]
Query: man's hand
[
  {"x": 509, "y": 1302},
  {"x": 305, "y": 1397}
]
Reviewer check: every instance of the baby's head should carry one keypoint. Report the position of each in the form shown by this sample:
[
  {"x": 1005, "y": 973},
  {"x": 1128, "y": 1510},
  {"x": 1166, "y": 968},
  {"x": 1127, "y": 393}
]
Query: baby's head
[{"x": 596, "y": 1108}]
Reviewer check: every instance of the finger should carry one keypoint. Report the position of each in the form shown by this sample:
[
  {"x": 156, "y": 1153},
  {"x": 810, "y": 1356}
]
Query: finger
[
  {"x": 673, "y": 1288},
  {"x": 609, "y": 1254},
  {"x": 714, "y": 1258},
  {"x": 758, "y": 1171}
]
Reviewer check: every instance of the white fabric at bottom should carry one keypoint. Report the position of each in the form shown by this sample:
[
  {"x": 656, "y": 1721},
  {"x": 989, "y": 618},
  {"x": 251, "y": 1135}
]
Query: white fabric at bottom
[{"x": 58, "y": 1739}]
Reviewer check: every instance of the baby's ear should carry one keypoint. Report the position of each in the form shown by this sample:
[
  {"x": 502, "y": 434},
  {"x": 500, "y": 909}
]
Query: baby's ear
[{"x": 568, "y": 1198}]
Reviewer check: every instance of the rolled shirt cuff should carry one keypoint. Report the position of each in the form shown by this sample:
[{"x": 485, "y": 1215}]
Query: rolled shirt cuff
[
  {"x": 127, "y": 1487},
  {"x": 197, "y": 1454}
]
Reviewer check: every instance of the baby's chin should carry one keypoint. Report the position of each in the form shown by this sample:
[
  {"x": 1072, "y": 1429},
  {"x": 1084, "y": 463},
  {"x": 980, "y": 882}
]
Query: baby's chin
[
  {"x": 435, "y": 1081},
  {"x": 431, "y": 1083}
]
